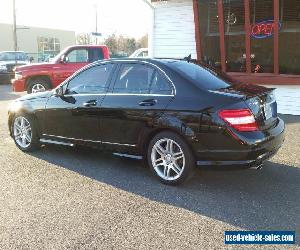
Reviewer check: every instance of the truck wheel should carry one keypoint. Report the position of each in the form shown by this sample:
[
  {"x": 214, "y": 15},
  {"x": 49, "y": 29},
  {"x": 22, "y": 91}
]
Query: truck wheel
[{"x": 37, "y": 85}]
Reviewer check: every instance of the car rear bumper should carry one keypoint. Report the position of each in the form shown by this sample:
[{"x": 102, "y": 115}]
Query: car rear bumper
[
  {"x": 252, "y": 153},
  {"x": 240, "y": 163},
  {"x": 18, "y": 85}
]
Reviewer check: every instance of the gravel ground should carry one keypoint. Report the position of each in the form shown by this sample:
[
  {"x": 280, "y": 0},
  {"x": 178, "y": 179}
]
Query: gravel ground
[{"x": 68, "y": 198}]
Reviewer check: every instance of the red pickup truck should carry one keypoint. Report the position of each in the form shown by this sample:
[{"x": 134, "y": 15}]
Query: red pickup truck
[{"x": 40, "y": 77}]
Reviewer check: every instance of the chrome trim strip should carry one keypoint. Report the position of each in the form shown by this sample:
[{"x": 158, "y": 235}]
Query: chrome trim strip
[
  {"x": 67, "y": 138},
  {"x": 223, "y": 163},
  {"x": 56, "y": 142},
  {"x": 119, "y": 94},
  {"x": 120, "y": 144},
  {"x": 74, "y": 139},
  {"x": 138, "y": 157}
]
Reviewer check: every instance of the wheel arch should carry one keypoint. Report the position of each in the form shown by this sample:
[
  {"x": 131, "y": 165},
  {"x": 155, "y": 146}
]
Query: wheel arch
[
  {"x": 22, "y": 111},
  {"x": 40, "y": 76},
  {"x": 166, "y": 123}
]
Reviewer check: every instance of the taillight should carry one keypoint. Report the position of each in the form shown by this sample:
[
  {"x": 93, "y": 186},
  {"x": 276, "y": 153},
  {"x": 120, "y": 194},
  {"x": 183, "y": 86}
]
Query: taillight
[{"x": 239, "y": 119}]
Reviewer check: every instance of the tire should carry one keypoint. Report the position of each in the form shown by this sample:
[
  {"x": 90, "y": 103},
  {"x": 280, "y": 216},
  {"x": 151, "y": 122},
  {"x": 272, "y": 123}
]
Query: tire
[
  {"x": 25, "y": 133},
  {"x": 163, "y": 149},
  {"x": 37, "y": 85}
]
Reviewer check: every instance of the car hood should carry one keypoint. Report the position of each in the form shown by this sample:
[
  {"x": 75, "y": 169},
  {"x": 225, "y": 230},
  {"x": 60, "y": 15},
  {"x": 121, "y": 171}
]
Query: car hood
[
  {"x": 35, "y": 96},
  {"x": 13, "y": 62},
  {"x": 35, "y": 66}
]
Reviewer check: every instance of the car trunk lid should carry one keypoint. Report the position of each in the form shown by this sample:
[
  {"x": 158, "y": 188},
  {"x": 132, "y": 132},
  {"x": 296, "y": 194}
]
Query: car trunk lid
[{"x": 260, "y": 100}]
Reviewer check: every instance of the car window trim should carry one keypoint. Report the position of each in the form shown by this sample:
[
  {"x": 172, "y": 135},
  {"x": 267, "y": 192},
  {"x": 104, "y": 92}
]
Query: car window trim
[
  {"x": 114, "y": 74},
  {"x": 118, "y": 94}
]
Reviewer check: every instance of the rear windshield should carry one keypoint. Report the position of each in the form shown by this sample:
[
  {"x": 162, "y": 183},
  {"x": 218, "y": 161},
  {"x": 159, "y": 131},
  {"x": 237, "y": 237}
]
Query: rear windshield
[{"x": 203, "y": 76}]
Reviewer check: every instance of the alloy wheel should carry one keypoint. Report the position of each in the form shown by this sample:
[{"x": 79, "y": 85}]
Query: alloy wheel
[
  {"x": 22, "y": 132},
  {"x": 168, "y": 159},
  {"x": 38, "y": 88}
]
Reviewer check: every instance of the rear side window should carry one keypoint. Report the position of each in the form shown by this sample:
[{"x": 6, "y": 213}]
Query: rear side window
[
  {"x": 205, "y": 78},
  {"x": 91, "y": 81},
  {"x": 134, "y": 79},
  {"x": 160, "y": 85},
  {"x": 95, "y": 54}
]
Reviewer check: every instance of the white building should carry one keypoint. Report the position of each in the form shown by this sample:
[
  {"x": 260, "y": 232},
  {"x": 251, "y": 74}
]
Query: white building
[
  {"x": 173, "y": 30},
  {"x": 36, "y": 42}
]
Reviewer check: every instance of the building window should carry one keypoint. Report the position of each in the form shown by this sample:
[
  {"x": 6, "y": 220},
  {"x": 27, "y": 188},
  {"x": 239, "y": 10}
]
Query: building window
[
  {"x": 289, "y": 37},
  {"x": 262, "y": 40},
  {"x": 209, "y": 29},
  {"x": 234, "y": 28},
  {"x": 47, "y": 48}
]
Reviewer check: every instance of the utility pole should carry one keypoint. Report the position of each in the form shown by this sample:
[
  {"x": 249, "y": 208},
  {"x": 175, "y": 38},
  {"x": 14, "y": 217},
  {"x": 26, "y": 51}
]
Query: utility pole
[
  {"x": 96, "y": 10},
  {"x": 15, "y": 38}
]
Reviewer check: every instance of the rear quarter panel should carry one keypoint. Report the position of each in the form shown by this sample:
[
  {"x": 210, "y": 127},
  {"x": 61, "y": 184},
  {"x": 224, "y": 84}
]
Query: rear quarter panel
[{"x": 192, "y": 113}]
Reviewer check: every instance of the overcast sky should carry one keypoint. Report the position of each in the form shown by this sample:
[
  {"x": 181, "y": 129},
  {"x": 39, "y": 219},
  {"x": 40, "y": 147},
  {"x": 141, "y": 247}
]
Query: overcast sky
[{"x": 128, "y": 17}]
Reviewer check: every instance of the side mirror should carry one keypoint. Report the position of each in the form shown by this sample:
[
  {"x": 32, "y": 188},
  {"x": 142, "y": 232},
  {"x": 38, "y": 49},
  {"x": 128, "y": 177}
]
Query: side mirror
[
  {"x": 59, "y": 91},
  {"x": 62, "y": 59}
]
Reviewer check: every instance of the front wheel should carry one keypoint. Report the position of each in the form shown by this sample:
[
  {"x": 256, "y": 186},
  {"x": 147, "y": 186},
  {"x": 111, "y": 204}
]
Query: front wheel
[
  {"x": 25, "y": 133},
  {"x": 37, "y": 85},
  {"x": 170, "y": 158}
]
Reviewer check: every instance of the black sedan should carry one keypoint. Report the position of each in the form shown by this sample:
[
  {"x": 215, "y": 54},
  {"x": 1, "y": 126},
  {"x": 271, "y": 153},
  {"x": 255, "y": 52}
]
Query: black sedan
[{"x": 174, "y": 113}]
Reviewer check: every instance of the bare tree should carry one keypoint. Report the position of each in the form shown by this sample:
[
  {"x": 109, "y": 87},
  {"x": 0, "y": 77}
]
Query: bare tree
[
  {"x": 84, "y": 39},
  {"x": 143, "y": 42},
  {"x": 124, "y": 46}
]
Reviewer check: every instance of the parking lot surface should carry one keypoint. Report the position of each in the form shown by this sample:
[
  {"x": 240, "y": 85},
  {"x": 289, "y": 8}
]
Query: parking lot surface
[{"x": 71, "y": 198}]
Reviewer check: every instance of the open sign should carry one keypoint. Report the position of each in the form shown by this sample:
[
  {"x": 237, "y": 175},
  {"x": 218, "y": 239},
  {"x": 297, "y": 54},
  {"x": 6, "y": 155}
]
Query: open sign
[{"x": 263, "y": 29}]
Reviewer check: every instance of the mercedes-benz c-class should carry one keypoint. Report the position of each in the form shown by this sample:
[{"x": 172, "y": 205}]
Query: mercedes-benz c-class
[{"x": 176, "y": 114}]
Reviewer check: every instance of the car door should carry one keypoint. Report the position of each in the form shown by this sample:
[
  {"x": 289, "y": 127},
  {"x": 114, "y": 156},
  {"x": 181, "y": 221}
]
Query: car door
[
  {"x": 140, "y": 93},
  {"x": 75, "y": 115},
  {"x": 73, "y": 60}
]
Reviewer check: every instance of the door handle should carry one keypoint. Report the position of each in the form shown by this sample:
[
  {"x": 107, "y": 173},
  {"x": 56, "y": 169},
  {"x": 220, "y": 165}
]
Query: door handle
[
  {"x": 90, "y": 103},
  {"x": 150, "y": 102}
]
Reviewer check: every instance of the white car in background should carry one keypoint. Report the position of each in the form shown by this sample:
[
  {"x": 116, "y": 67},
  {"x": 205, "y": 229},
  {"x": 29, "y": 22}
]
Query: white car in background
[
  {"x": 141, "y": 53},
  {"x": 8, "y": 61}
]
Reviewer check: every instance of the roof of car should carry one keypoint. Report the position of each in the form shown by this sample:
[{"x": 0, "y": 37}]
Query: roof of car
[
  {"x": 150, "y": 60},
  {"x": 12, "y": 52}
]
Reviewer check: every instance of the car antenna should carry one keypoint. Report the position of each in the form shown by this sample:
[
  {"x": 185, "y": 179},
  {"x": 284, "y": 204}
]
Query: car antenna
[{"x": 188, "y": 58}]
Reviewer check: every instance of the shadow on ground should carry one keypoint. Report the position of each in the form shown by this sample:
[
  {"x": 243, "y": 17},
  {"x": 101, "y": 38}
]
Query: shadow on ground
[{"x": 266, "y": 199}]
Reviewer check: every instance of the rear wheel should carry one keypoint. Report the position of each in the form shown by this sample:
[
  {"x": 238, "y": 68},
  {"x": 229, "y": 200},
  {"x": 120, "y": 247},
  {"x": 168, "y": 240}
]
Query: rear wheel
[
  {"x": 170, "y": 158},
  {"x": 37, "y": 85},
  {"x": 25, "y": 133}
]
